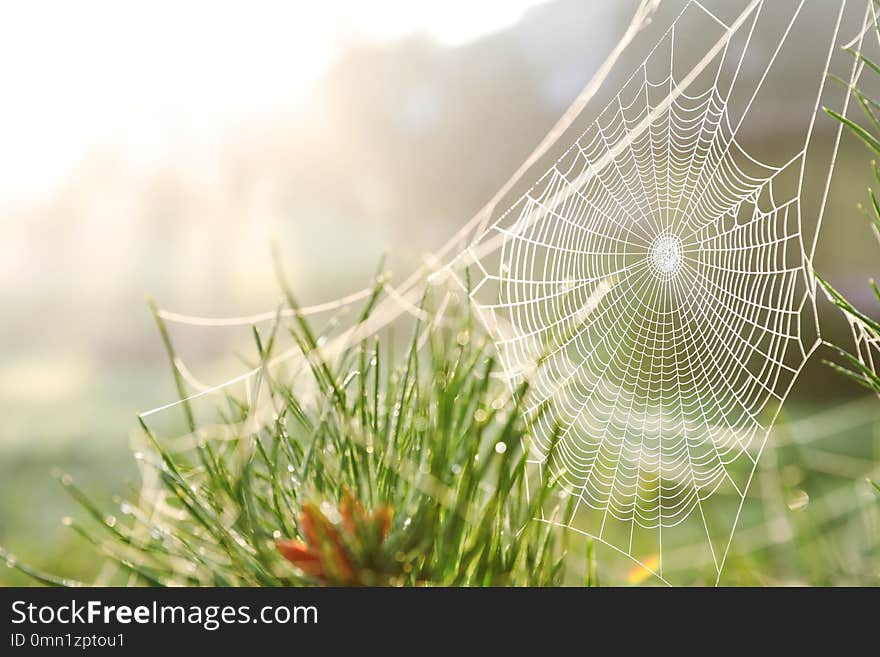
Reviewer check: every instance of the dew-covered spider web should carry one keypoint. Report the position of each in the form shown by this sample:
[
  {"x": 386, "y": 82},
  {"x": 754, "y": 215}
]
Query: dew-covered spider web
[
  {"x": 654, "y": 287},
  {"x": 653, "y": 280}
]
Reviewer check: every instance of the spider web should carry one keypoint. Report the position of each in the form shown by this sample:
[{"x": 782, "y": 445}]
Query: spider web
[
  {"x": 654, "y": 285},
  {"x": 654, "y": 288}
]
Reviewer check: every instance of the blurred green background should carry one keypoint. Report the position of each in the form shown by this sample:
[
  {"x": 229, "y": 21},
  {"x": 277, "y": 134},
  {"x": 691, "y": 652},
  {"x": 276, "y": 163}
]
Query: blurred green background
[{"x": 159, "y": 149}]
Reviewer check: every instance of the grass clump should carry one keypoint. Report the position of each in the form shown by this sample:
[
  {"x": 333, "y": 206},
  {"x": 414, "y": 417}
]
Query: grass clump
[
  {"x": 861, "y": 366},
  {"x": 360, "y": 468}
]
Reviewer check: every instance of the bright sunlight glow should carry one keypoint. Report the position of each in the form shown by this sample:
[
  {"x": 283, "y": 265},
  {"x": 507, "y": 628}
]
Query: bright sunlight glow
[{"x": 143, "y": 76}]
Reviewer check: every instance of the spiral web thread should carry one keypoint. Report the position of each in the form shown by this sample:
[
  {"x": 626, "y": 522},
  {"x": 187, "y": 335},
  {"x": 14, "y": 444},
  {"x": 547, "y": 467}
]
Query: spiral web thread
[{"x": 654, "y": 287}]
